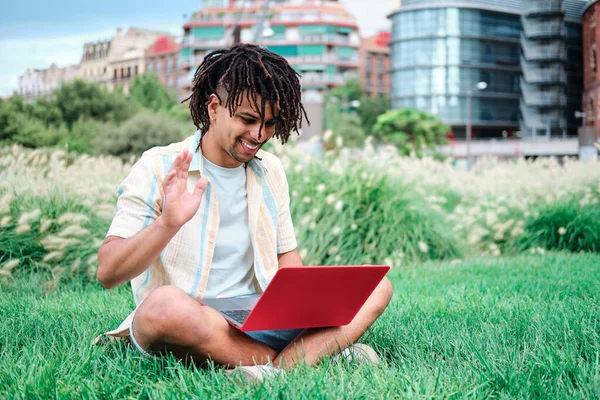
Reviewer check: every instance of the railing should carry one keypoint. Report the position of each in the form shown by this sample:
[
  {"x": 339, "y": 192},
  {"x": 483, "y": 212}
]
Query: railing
[
  {"x": 554, "y": 51},
  {"x": 533, "y": 29},
  {"x": 538, "y": 98},
  {"x": 336, "y": 39},
  {"x": 278, "y": 16},
  {"x": 543, "y": 6},
  {"x": 326, "y": 58},
  {"x": 193, "y": 40},
  {"x": 550, "y": 74},
  {"x": 189, "y": 61},
  {"x": 325, "y": 79}
]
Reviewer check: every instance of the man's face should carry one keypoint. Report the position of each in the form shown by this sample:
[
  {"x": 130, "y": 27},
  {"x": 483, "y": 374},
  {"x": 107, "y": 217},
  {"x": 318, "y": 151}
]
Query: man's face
[{"x": 232, "y": 141}]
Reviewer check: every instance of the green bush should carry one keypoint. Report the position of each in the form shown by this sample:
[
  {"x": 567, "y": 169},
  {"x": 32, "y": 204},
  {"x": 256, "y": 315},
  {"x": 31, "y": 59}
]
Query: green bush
[
  {"x": 148, "y": 92},
  {"x": 55, "y": 235},
  {"x": 563, "y": 226},
  {"x": 32, "y": 132},
  {"x": 83, "y": 134},
  {"x": 140, "y": 133},
  {"x": 358, "y": 217},
  {"x": 79, "y": 99}
]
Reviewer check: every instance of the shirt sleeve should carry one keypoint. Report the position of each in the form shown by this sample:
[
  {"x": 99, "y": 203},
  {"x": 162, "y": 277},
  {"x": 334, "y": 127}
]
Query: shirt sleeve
[
  {"x": 139, "y": 200},
  {"x": 286, "y": 237}
]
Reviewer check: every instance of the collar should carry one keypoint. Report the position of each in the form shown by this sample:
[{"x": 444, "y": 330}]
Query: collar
[{"x": 257, "y": 166}]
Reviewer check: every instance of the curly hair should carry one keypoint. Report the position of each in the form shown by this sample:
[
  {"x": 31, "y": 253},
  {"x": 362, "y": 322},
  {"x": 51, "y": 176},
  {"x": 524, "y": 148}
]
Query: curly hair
[{"x": 248, "y": 70}]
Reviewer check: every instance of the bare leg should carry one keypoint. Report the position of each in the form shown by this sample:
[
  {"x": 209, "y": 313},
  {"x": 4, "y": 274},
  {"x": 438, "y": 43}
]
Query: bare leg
[
  {"x": 169, "y": 319},
  {"x": 314, "y": 344}
]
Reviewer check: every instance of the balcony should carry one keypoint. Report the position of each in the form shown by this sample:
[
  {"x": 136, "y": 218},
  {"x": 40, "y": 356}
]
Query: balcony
[
  {"x": 534, "y": 8},
  {"x": 534, "y": 97},
  {"x": 310, "y": 39},
  {"x": 542, "y": 30},
  {"x": 279, "y": 16},
  {"x": 186, "y": 80},
  {"x": 554, "y": 74},
  {"x": 543, "y": 52},
  {"x": 191, "y": 40},
  {"x": 321, "y": 79},
  {"x": 189, "y": 61},
  {"x": 323, "y": 59}
]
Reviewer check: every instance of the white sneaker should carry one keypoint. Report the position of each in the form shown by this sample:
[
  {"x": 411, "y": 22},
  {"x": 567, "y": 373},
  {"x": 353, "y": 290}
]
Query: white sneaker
[
  {"x": 251, "y": 373},
  {"x": 358, "y": 353}
]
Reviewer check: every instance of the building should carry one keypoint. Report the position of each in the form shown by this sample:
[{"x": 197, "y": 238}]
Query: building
[
  {"x": 126, "y": 56},
  {"x": 161, "y": 59},
  {"x": 591, "y": 69},
  {"x": 319, "y": 38},
  {"x": 93, "y": 66},
  {"x": 374, "y": 64},
  {"x": 37, "y": 83},
  {"x": 444, "y": 50}
]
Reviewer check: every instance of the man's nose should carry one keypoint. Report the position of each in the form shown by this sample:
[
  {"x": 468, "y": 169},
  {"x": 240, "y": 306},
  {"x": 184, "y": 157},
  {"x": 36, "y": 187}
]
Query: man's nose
[{"x": 254, "y": 132}]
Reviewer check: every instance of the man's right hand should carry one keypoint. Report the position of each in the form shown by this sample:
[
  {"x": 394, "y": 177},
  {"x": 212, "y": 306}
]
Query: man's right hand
[{"x": 179, "y": 205}]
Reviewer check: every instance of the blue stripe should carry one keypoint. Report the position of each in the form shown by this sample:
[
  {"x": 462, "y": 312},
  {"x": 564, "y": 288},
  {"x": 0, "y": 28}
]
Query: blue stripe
[
  {"x": 146, "y": 223},
  {"x": 272, "y": 208},
  {"x": 203, "y": 234},
  {"x": 119, "y": 193}
]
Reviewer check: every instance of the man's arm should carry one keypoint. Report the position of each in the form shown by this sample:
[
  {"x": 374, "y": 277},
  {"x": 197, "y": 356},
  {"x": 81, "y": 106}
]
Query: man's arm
[
  {"x": 120, "y": 260},
  {"x": 290, "y": 259}
]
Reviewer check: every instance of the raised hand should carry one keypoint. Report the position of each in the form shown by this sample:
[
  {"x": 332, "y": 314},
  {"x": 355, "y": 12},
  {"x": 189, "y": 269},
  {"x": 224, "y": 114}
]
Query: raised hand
[{"x": 179, "y": 204}]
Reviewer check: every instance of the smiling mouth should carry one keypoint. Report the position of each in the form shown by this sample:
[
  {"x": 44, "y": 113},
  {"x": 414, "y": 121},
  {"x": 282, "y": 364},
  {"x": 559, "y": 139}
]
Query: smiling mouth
[{"x": 249, "y": 147}]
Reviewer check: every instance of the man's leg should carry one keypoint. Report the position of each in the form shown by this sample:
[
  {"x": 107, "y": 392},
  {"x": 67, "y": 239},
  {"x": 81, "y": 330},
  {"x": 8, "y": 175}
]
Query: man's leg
[
  {"x": 169, "y": 319},
  {"x": 314, "y": 344}
]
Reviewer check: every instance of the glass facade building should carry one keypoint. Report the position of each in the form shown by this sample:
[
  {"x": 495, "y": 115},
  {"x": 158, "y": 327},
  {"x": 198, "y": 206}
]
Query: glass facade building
[{"x": 441, "y": 50}]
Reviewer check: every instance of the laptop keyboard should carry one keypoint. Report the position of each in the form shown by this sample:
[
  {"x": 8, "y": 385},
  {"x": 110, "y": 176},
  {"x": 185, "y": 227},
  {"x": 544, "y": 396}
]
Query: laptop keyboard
[{"x": 237, "y": 315}]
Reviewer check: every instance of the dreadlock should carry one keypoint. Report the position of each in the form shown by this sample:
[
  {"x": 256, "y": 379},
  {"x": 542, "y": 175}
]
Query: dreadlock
[{"x": 248, "y": 70}]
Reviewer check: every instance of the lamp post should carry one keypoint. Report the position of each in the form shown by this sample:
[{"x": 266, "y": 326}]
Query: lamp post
[{"x": 479, "y": 86}]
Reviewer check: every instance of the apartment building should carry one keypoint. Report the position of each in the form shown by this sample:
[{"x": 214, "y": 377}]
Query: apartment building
[
  {"x": 37, "y": 83},
  {"x": 161, "y": 59},
  {"x": 126, "y": 58},
  {"x": 374, "y": 64},
  {"x": 93, "y": 66},
  {"x": 319, "y": 38}
]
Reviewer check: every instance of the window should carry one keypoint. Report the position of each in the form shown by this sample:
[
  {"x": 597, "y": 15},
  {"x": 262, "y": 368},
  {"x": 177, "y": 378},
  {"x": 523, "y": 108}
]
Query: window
[
  {"x": 129, "y": 72},
  {"x": 115, "y": 75},
  {"x": 594, "y": 58},
  {"x": 135, "y": 70}
]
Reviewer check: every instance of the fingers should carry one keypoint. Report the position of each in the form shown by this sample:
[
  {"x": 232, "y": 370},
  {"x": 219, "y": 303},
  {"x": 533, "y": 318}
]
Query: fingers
[{"x": 200, "y": 187}]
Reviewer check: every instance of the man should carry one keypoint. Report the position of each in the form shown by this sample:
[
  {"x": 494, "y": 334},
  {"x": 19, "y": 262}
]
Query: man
[{"x": 209, "y": 217}]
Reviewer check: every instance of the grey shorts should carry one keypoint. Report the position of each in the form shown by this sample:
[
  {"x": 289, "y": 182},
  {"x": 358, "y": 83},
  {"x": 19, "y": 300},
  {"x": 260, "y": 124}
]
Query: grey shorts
[{"x": 277, "y": 340}]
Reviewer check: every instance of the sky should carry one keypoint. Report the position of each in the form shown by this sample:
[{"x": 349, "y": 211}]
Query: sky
[{"x": 37, "y": 33}]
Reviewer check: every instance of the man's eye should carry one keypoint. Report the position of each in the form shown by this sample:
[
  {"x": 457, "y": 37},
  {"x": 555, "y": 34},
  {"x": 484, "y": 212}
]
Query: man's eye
[{"x": 247, "y": 121}]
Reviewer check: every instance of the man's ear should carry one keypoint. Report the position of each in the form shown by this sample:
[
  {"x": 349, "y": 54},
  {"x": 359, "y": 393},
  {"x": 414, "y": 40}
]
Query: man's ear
[{"x": 213, "y": 106}]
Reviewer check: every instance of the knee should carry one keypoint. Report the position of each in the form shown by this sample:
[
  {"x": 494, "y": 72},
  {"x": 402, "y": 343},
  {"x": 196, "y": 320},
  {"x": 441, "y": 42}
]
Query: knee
[
  {"x": 384, "y": 293},
  {"x": 164, "y": 311}
]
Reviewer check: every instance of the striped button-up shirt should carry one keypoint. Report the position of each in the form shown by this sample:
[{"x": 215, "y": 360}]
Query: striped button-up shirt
[{"x": 185, "y": 262}]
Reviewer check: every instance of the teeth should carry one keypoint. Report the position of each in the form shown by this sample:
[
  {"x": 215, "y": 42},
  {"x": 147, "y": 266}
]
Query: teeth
[{"x": 248, "y": 145}]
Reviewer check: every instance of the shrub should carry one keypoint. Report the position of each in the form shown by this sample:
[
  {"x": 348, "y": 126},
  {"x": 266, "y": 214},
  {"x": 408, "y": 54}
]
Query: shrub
[
  {"x": 563, "y": 226},
  {"x": 140, "y": 133}
]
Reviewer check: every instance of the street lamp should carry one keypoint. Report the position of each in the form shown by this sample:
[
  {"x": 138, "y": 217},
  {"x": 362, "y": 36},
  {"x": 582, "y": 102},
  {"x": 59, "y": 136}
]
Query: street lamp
[{"x": 479, "y": 86}]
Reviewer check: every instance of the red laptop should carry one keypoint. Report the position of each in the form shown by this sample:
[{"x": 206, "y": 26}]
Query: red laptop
[{"x": 304, "y": 297}]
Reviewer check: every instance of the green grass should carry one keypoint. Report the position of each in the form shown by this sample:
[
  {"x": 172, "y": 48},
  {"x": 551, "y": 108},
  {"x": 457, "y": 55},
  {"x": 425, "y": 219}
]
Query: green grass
[{"x": 522, "y": 327}]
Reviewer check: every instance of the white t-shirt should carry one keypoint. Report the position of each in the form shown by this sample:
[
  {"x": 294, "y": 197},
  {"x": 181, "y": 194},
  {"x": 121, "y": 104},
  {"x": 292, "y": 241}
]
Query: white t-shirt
[{"x": 231, "y": 272}]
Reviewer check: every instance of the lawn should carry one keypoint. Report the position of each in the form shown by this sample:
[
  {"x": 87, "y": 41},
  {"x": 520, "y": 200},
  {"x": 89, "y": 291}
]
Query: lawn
[{"x": 511, "y": 327}]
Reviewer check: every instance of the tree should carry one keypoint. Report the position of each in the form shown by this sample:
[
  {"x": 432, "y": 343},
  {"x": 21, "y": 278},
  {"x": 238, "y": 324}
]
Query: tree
[
  {"x": 149, "y": 92},
  {"x": 138, "y": 134},
  {"x": 369, "y": 108},
  {"x": 411, "y": 130},
  {"x": 347, "y": 126},
  {"x": 83, "y": 100}
]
